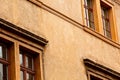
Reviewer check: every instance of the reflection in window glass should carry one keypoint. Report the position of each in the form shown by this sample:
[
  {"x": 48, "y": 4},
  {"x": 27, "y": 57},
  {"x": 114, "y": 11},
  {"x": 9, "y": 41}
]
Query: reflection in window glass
[
  {"x": 21, "y": 59},
  {"x": 29, "y": 62},
  {"x": 106, "y": 21},
  {"x": 3, "y": 72},
  {"x": 89, "y": 15},
  {"x": 29, "y": 77},
  {"x": 21, "y": 75},
  {"x": 1, "y": 51}
]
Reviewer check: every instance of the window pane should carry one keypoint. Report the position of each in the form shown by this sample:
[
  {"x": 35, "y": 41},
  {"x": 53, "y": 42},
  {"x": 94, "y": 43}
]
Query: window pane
[
  {"x": 3, "y": 72},
  {"x": 3, "y": 51},
  {"x": 21, "y": 75},
  {"x": 108, "y": 34},
  {"x": 29, "y": 62},
  {"x": 30, "y": 76},
  {"x": 106, "y": 23},
  {"x": 89, "y": 16},
  {"x": 89, "y": 3},
  {"x": 21, "y": 59},
  {"x": 92, "y": 26}
]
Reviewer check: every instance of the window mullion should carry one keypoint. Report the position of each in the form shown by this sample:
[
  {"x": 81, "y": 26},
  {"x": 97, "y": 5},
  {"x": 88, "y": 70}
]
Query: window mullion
[
  {"x": 25, "y": 75},
  {"x": 3, "y": 61},
  {"x": 14, "y": 60},
  {"x": 24, "y": 60}
]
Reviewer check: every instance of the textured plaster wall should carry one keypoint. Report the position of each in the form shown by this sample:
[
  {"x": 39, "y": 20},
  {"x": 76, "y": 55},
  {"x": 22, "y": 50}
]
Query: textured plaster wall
[
  {"x": 68, "y": 45},
  {"x": 71, "y": 8},
  {"x": 22, "y": 13}
]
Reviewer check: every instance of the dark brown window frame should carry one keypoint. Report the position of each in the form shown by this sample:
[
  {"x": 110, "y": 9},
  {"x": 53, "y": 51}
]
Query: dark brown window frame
[
  {"x": 5, "y": 61},
  {"x": 99, "y": 70},
  {"x": 24, "y": 67}
]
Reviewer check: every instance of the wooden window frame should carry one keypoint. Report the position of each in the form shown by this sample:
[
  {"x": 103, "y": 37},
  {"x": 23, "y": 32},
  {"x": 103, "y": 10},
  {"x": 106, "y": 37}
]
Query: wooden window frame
[
  {"x": 17, "y": 37},
  {"x": 100, "y": 71},
  {"x": 98, "y": 19},
  {"x": 106, "y": 19},
  {"x": 112, "y": 20},
  {"x": 24, "y": 68},
  {"x": 5, "y": 61}
]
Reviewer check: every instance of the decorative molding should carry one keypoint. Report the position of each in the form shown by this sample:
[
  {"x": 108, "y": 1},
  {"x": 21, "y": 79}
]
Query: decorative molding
[
  {"x": 98, "y": 67},
  {"x": 117, "y": 1},
  {"x": 55, "y": 12},
  {"x": 7, "y": 26},
  {"x": 72, "y": 21},
  {"x": 102, "y": 37}
]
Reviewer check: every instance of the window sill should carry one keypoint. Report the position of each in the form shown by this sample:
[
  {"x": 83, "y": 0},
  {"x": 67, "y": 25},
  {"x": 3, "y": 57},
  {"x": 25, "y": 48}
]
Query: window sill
[{"x": 100, "y": 36}]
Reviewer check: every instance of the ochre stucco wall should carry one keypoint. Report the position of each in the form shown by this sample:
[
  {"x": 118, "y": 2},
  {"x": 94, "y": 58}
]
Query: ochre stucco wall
[{"x": 68, "y": 45}]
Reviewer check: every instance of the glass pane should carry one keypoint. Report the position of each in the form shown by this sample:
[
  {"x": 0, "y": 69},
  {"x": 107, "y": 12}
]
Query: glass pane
[
  {"x": 30, "y": 76},
  {"x": 91, "y": 18},
  {"x": 3, "y": 51},
  {"x": 107, "y": 25},
  {"x": 106, "y": 13},
  {"x": 21, "y": 75},
  {"x": 85, "y": 2},
  {"x": 3, "y": 72},
  {"x": 29, "y": 62},
  {"x": 4, "y": 55},
  {"x": 102, "y": 11},
  {"x": 89, "y": 3},
  {"x": 92, "y": 26},
  {"x": 108, "y": 34},
  {"x": 89, "y": 13},
  {"x": 21, "y": 59}
]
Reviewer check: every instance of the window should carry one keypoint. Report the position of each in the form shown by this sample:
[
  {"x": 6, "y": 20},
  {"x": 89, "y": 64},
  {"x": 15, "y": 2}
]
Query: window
[
  {"x": 100, "y": 17},
  {"x": 20, "y": 53},
  {"x": 27, "y": 65},
  {"x": 89, "y": 13},
  {"x": 105, "y": 20},
  {"x": 3, "y": 62},
  {"x": 96, "y": 71}
]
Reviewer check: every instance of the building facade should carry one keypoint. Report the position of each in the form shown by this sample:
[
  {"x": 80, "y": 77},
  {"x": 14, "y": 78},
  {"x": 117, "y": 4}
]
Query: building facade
[{"x": 59, "y": 40}]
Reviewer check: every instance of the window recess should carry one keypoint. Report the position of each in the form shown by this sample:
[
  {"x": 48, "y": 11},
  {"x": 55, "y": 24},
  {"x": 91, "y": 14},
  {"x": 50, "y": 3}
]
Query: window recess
[
  {"x": 89, "y": 15},
  {"x": 105, "y": 11},
  {"x": 97, "y": 71},
  {"x": 99, "y": 15},
  {"x": 20, "y": 53}
]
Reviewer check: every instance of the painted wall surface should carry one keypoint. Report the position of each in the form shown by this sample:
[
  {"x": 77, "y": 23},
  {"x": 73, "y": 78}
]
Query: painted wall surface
[{"x": 68, "y": 45}]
